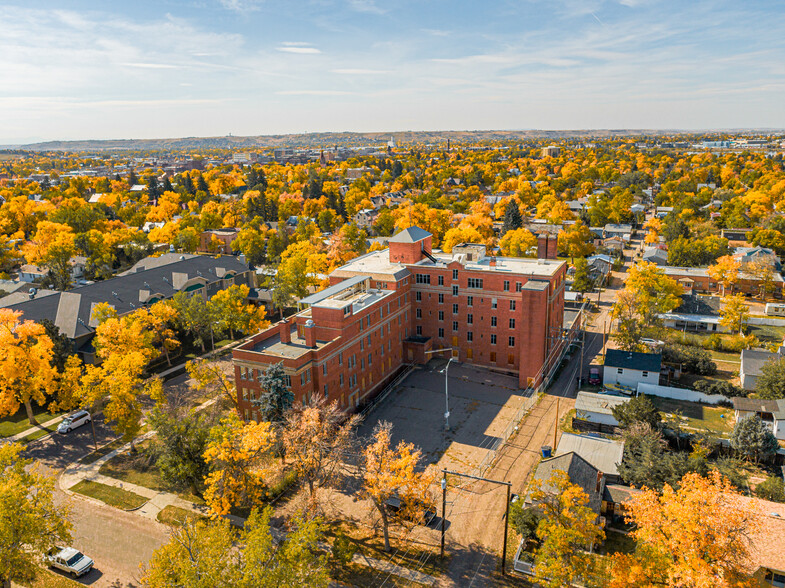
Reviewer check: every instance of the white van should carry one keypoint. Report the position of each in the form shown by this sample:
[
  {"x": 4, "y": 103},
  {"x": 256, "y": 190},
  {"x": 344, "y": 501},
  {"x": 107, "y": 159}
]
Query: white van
[{"x": 72, "y": 421}]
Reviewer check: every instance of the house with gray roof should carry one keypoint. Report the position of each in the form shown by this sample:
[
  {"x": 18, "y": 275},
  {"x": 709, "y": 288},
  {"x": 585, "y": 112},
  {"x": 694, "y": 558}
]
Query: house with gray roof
[
  {"x": 655, "y": 255},
  {"x": 771, "y": 412},
  {"x": 147, "y": 282},
  {"x": 604, "y": 454},
  {"x": 752, "y": 362},
  {"x": 580, "y": 472},
  {"x": 597, "y": 408}
]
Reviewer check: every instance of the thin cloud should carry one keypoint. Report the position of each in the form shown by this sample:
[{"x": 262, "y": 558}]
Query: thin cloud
[
  {"x": 151, "y": 65},
  {"x": 368, "y": 6},
  {"x": 360, "y": 72},
  {"x": 291, "y": 48},
  {"x": 313, "y": 93},
  {"x": 241, "y": 5}
]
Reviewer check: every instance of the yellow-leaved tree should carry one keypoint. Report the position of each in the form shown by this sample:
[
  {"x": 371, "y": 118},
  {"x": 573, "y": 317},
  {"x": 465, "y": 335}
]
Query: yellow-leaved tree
[
  {"x": 725, "y": 272},
  {"x": 567, "y": 530},
  {"x": 26, "y": 372},
  {"x": 393, "y": 472},
  {"x": 235, "y": 313},
  {"x": 517, "y": 243},
  {"x": 240, "y": 457}
]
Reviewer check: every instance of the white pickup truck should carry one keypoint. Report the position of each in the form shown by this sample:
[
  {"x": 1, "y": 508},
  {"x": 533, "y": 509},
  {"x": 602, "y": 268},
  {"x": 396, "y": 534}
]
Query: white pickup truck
[{"x": 68, "y": 560}]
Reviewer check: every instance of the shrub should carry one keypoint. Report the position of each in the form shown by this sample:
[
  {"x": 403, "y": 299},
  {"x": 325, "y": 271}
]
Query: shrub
[
  {"x": 772, "y": 488},
  {"x": 713, "y": 387},
  {"x": 693, "y": 359},
  {"x": 343, "y": 549}
]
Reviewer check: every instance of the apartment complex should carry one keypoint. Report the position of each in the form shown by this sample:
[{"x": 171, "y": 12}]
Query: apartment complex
[{"x": 391, "y": 308}]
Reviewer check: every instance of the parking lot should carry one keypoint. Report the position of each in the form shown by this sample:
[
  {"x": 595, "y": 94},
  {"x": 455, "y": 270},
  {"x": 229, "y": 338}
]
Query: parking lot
[{"x": 482, "y": 403}]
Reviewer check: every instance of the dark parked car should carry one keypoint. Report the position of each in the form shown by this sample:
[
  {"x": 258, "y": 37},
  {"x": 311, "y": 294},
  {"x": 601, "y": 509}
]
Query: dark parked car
[
  {"x": 426, "y": 512},
  {"x": 594, "y": 376}
]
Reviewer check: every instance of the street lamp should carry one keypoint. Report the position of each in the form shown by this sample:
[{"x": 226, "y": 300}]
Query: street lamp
[{"x": 446, "y": 381}]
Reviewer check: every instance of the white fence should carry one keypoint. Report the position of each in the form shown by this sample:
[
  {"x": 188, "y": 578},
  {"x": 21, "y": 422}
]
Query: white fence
[
  {"x": 771, "y": 322},
  {"x": 679, "y": 394}
]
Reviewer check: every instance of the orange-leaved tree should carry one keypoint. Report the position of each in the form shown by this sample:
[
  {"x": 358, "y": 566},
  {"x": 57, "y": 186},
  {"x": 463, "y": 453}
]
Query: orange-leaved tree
[
  {"x": 315, "y": 437},
  {"x": 26, "y": 372},
  {"x": 394, "y": 472},
  {"x": 696, "y": 536},
  {"x": 725, "y": 272}
]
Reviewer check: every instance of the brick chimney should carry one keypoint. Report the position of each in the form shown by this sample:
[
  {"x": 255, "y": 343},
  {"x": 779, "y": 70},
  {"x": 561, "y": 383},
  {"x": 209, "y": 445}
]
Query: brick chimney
[
  {"x": 599, "y": 482},
  {"x": 492, "y": 262},
  {"x": 309, "y": 332},
  {"x": 286, "y": 331},
  {"x": 542, "y": 246},
  {"x": 553, "y": 247}
]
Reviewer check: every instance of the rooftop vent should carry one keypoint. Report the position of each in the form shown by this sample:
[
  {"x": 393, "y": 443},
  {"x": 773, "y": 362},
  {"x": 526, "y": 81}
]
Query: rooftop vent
[{"x": 309, "y": 323}]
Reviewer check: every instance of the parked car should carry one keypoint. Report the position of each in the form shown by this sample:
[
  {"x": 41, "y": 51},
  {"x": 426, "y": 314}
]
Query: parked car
[
  {"x": 594, "y": 376},
  {"x": 69, "y": 560},
  {"x": 427, "y": 513},
  {"x": 72, "y": 421},
  {"x": 652, "y": 343}
]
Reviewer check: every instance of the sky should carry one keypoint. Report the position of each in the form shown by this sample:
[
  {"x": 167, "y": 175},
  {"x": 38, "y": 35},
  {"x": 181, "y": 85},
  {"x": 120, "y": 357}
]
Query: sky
[{"x": 122, "y": 69}]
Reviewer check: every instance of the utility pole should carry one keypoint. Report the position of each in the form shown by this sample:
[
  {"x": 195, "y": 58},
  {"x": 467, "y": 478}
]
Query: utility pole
[
  {"x": 507, "y": 510},
  {"x": 506, "y": 524},
  {"x": 444, "y": 508},
  {"x": 556, "y": 423}
]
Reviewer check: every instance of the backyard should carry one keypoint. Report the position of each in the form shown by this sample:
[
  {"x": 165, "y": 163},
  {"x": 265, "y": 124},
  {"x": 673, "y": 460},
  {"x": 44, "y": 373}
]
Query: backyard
[{"x": 696, "y": 417}]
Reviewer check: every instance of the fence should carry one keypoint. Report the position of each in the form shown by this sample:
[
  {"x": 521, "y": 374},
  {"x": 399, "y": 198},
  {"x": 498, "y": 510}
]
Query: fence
[{"x": 679, "y": 394}]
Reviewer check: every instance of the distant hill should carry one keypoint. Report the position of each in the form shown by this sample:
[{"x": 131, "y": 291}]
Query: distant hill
[{"x": 329, "y": 139}]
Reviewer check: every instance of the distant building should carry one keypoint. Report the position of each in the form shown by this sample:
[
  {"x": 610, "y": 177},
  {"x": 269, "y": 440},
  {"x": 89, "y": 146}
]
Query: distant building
[
  {"x": 150, "y": 280},
  {"x": 551, "y": 151},
  {"x": 217, "y": 240}
]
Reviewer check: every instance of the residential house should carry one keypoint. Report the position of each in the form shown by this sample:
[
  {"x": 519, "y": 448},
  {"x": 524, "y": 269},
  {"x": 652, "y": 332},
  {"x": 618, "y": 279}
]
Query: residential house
[
  {"x": 771, "y": 412},
  {"x": 747, "y": 255},
  {"x": 663, "y": 211},
  {"x": 217, "y": 240},
  {"x": 630, "y": 368},
  {"x": 752, "y": 362},
  {"x": 603, "y": 454},
  {"x": 597, "y": 408},
  {"x": 655, "y": 255},
  {"x": 365, "y": 218},
  {"x": 766, "y": 562},
  {"x": 32, "y": 273},
  {"x": 601, "y": 264}
]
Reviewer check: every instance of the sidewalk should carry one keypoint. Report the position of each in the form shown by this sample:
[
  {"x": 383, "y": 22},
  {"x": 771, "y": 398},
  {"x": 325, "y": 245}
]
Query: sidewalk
[
  {"x": 31, "y": 430},
  {"x": 162, "y": 375}
]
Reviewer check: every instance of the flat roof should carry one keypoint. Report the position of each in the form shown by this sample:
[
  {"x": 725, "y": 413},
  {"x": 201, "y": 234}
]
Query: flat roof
[
  {"x": 297, "y": 348},
  {"x": 333, "y": 290},
  {"x": 599, "y": 403}
]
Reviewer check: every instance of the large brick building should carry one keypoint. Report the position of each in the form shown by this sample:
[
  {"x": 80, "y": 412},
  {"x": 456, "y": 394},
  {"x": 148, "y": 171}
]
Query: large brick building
[{"x": 389, "y": 308}]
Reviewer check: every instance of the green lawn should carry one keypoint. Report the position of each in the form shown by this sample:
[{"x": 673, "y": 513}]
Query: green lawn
[
  {"x": 693, "y": 416},
  {"x": 116, "y": 497},
  {"x": 767, "y": 333},
  {"x": 106, "y": 449},
  {"x": 135, "y": 469},
  {"x": 18, "y": 422}
]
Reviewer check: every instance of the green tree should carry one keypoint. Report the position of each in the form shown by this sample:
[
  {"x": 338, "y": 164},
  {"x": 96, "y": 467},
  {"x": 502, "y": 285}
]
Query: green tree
[
  {"x": 194, "y": 317},
  {"x": 179, "y": 445},
  {"x": 567, "y": 530},
  {"x": 30, "y": 520},
  {"x": 512, "y": 217},
  {"x": 524, "y": 520},
  {"x": 639, "y": 409},
  {"x": 581, "y": 281},
  {"x": 276, "y": 396},
  {"x": 753, "y": 439},
  {"x": 647, "y": 460},
  {"x": 771, "y": 382},
  {"x": 62, "y": 348}
]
